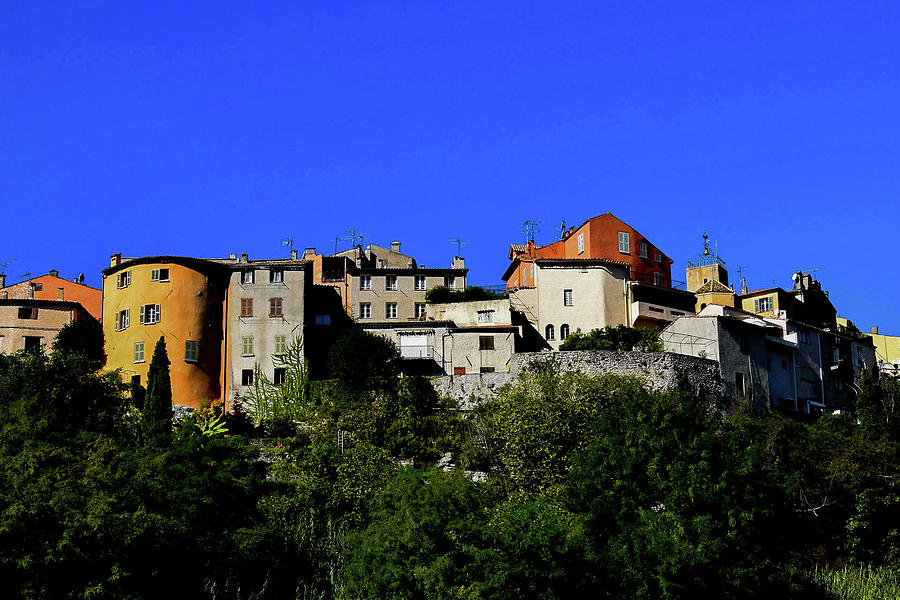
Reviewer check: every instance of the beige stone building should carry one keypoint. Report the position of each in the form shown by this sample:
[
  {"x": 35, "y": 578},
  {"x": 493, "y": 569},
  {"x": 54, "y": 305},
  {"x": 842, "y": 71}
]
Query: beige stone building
[
  {"x": 266, "y": 313},
  {"x": 27, "y": 323}
]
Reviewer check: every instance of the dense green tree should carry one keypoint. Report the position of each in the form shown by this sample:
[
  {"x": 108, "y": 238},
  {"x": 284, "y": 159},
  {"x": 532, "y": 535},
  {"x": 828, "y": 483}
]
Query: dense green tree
[
  {"x": 157, "y": 411},
  {"x": 364, "y": 361},
  {"x": 619, "y": 337},
  {"x": 83, "y": 337}
]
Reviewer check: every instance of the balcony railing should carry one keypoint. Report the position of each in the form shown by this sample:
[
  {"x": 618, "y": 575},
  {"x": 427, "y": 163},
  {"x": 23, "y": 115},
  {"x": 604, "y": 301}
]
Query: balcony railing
[{"x": 415, "y": 352}]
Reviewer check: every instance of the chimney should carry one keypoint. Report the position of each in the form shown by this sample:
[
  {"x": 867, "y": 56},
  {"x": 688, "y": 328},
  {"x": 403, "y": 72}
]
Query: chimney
[
  {"x": 60, "y": 292},
  {"x": 115, "y": 260},
  {"x": 395, "y": 246},
  {"x": 54, "y": 272},
  {"x": 2, "y": 280},
  {"x": 875, "y": 329},
  {"x": 244, "y": 257},
  {"x": 293, "y": 254},
  {"x": 458, "y": 263},
  {"x": 30, "y": 290},
  {"x": 309, "y": 252}
]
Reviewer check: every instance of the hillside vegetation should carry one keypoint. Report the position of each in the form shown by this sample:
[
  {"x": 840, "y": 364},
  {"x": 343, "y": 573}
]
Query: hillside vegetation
[{"x": 595, "y": 487}]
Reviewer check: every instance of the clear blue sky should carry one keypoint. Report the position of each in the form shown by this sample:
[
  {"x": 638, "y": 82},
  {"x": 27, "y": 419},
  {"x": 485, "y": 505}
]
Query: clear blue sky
[{"x": 203, "y": 129}]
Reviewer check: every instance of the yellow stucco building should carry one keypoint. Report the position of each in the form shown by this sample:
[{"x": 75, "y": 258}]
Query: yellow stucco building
[{"x": 180, "y": 299}]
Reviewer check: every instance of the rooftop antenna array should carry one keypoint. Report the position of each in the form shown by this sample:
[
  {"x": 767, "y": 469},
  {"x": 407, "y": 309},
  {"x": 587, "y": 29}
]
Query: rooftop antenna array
[
  {"x": 562, "y": 229},
  {"x": 812, "y": 271},
  {"x": 529, "y": 229},
  {"x": 743, "y": 279},
  {"x": 459, "y": 244},
  {"x": 354, "y": 235},
  {"x": 3, "y": 266},
  {"x": 289, "y": 243}
]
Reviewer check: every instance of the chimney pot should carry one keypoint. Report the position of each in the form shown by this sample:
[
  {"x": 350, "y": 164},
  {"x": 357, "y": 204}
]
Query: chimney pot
[
  {"x": 875, "y": 329},
  {"x": 244, "y": 257},
  {"x": 232, "y": 256},
  {"x": 2, "y": 280},
  {"x": 293, "y": 254},
  {"x": 309, "y": 252},
  {"x": 54, "y": 272},
  {"x": 395, "y": 246},
  {"x": 115, "y": 260}
]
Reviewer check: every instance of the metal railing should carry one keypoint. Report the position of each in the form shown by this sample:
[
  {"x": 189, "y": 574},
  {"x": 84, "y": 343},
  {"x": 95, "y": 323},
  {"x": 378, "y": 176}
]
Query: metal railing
[{"x": 415, "y": 352}]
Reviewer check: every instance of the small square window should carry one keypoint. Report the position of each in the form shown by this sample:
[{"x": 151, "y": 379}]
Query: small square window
[
  {"x": 159, "y": 275},
  {"x": 450, "y": 282},
  {"x": 248, "y": 276},
  {"x": 32, "y": 342},
  {"x": 485, "y": 342},
  {"x": 658, "y": 258},
  {"x": 365, "y": 282},
  {"x": 246, "y": 307},
  {"x": 390, "y": 310},
  {"x": 763, "y": 304},
  {"x": 390, "y": 283},
  {"x": 247, "y": 345},
  {"x": 123, "y": 319},
  {"x": 38, "y": 286},
  {"x": 567, "y": 297},
  {"x": 365, "y": 310},
  {"x": 274, "y": 307},
  {"x": 485, "y": 316},
  {"x": 276, "y": 276},
  {"x": 28, "y": 312},
  {"x": 139, "y": 352},
  {"x": 124, "y": 279},
  {"x": 420, "y": 283},
  {"x": 191, "y": 351},
  {"x": 624, "y": 243},
  {"x": 150, "y": 314},
  {"x": 280, "y": 375},
  {"x": 246, "y": 377}
]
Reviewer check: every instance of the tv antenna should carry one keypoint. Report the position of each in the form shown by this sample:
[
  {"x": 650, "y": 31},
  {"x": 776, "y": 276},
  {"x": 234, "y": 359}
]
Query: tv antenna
[
  {"x": 459, "y": 244},
  {"x": 288, "y": 242},
  {"x": 743, "y": 278},
  {"x": 812, "y": 271},
  {"x": 3, "y": 266},
  {"x": 562, "y": 229},
  {"x": 530, "y": 228},
  {"x": 354, "y": 235}
]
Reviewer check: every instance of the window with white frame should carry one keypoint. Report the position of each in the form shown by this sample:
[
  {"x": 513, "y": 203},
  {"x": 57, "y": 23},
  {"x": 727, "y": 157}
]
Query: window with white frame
[
  {"x": 365, "y": 310},
  {"x": 365, "y": 282},
  {"x": 624, "y": 243},
  {"x": 420, "y": 310},
  {"x": 248, "y": 276},
  {"x": 420, "y": 283},
  {"x": 150, "y": 314},
  {"x": 124, "y": 279},
  {"x": 550, "y": 332},
  {"x": 567, "y": 297},
  {"x": 485, "y": 316},
  {"x": 159, "y": 275},
  {"x": 390, "y": 310},
  {"x": 191, "y": 351},
  {"x": 276, "y": 276},
  {"x": 450, "y": 282},
  {"x": 280, "y": 344},
  {"x": 580, "y": 243},
  {"x": 658, "y": 257},
  {"x": 762, "y": 304},
  {"x": 247, "y": 345},
  {"x": 390, "y": 283},
  {"x": 658, "y": 279},
  {"x": 139, "y": 352},
  {"x": 563, "y": 331},
  {"x": 645, "y": 250},
  {"x": 123, "y": 319}
]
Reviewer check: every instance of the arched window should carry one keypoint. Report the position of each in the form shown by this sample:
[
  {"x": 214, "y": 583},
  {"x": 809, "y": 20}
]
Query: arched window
[
  {"x": 563, "y": 331},
  {"x": 549, "y": 333}
]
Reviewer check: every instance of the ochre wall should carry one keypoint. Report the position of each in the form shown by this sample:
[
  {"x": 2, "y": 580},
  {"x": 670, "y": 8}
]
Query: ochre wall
[{"x": 190, "y": 308}]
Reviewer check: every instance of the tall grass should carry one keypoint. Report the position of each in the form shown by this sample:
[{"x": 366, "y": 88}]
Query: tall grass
[{"x": 859, "y": 583}]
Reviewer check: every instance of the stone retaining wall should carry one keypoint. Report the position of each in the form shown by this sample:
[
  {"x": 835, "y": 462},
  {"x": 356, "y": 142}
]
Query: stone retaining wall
[{"x": 658, "y": 369}]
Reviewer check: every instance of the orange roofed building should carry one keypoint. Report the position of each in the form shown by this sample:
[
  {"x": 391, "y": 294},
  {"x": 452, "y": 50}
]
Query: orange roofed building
[
  {"x": 603, "y": 272},
  {"x": 53, "y": 287}
]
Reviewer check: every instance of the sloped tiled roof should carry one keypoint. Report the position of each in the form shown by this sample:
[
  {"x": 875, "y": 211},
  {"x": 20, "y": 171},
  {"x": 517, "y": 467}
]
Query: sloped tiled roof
[{"x": 713, "y": 286}]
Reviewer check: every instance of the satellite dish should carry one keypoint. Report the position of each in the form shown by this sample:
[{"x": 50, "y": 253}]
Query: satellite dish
[{"x": 81, "y": 278}]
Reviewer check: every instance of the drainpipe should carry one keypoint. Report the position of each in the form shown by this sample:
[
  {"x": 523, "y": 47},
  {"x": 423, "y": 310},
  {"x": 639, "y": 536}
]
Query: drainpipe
[
  {"x": 821, "y": 372},
  {"x": 794, "y": 375},
  {"x": 444, "y": 353},
  {"x": 226, "y": 384}
]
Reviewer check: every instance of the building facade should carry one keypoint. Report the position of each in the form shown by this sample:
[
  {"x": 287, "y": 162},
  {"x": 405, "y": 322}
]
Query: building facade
[
  {"x": 53, "y": 287},
  {"x": 29, "y": 323}
]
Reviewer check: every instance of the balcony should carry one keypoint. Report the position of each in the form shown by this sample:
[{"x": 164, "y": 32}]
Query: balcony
[{"x": 415, "y": 352}]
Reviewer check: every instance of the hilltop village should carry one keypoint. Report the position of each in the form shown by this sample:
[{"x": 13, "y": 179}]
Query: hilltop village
[{"x": 224, "y": 318}]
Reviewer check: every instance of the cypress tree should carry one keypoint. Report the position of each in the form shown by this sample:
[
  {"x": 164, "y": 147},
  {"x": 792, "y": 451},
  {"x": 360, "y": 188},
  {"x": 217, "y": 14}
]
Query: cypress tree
[{"x": 157, "y": 412}]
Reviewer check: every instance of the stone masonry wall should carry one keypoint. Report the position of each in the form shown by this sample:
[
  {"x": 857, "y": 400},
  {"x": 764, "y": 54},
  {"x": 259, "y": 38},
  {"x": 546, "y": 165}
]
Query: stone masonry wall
[{"x": 658, "y": 369}]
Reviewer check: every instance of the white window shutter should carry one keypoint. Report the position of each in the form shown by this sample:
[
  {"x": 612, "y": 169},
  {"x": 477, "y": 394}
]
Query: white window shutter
[
  {"x": 158, "y": 314},
  {"x": 142, "y": 315}
]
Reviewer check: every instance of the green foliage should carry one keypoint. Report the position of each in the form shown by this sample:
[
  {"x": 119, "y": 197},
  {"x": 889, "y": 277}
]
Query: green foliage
[
  {"x": 157, "y": 412},
  {"x": 442, "y": 294},
  {"x": 878, "y": 405},
  {"x": 83, "y": 337},
  {"x": 273, "y": 405},
  {"x": 620, "y": 337},
  {"x": 364, "y": 361},
  {"x": 859, "y": 583}
]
